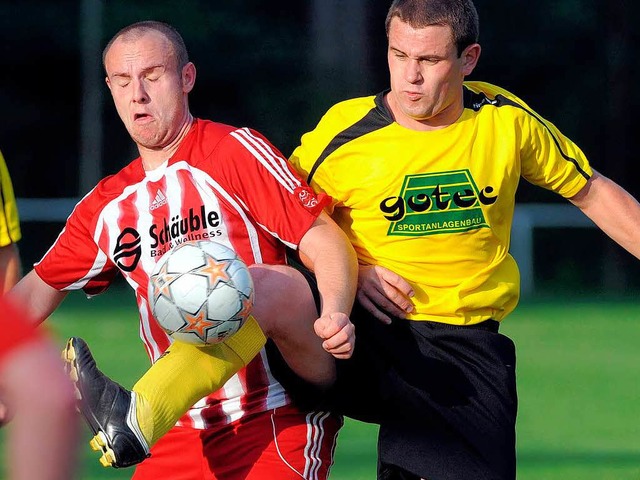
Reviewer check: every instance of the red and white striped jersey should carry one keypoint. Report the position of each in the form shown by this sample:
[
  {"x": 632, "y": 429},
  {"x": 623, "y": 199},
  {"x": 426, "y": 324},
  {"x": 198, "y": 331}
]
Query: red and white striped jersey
[{"x": 230, "y": 185}]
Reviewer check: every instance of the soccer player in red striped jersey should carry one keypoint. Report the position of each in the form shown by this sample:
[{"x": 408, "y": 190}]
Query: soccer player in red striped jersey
[
  {"x": 197, "y": 179},
  {"x": 43, "y": 433}
]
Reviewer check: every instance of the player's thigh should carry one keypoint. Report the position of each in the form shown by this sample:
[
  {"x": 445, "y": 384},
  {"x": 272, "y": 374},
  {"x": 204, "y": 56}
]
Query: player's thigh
[
  {"x": 282, "y": 294},
  {"x": 361, "y": 390}
]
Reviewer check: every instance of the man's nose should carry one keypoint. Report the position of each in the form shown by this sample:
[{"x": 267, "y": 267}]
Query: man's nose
[
  {"x": 140, "y": 94},
  {"x": 412, "y": 71}
]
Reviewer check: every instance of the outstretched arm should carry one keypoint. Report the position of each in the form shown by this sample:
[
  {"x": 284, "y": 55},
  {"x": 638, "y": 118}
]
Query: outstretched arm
[
  {"x": 41, "y": 298},
  {"x": 612, "y": 209}
]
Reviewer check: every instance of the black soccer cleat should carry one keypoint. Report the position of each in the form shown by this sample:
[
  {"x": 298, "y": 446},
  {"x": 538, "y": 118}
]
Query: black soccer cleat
[{"x": 109, "y": 409}]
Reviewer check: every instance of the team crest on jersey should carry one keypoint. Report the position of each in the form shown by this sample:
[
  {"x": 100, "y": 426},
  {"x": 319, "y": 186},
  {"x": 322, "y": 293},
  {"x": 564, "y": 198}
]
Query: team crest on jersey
[
  {"x": 307, "y": 198},
  {"x": 434, "y": 203}
]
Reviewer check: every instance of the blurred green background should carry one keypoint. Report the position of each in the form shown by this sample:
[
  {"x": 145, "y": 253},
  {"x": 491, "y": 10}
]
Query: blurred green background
[{"x": 578, "y": 369}]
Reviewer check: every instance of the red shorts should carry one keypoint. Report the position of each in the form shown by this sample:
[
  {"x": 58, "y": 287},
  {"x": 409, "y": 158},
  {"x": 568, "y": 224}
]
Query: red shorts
[{"x": 280, "y": 444}]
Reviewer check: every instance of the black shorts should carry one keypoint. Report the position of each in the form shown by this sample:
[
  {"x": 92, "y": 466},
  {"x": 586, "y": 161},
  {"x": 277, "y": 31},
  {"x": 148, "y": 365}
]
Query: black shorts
[{"x": 444, "y": 396}]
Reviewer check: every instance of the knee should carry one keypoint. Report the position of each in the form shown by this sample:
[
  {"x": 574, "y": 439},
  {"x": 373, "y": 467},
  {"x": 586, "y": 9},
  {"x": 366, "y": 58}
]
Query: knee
[
  {"x": 267, "y": 281},
  {"x": 281, "y": 295},
  {"x": 263, "y": 274}
]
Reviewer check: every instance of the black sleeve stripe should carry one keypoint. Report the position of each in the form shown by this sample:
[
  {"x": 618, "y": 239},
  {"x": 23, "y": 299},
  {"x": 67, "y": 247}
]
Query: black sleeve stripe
[
  {"x": 505, "y": 101},
  {"x": 376, "y": 118},
  {"x": 476, "y": 101}
]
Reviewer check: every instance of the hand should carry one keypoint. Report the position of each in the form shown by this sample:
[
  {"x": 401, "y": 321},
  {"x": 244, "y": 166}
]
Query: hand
[
  {"x": 383, "y": 293},
  {"x": 338, "y": 334}
]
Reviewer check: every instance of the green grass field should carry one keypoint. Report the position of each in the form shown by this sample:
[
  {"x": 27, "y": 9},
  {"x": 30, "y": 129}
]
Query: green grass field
[{"x": 578, "y": 370}]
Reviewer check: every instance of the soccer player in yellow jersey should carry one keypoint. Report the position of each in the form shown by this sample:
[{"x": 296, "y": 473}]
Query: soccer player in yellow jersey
[
  {"x": 423, "y": 178},
  {"x": 10, "y": 270}
]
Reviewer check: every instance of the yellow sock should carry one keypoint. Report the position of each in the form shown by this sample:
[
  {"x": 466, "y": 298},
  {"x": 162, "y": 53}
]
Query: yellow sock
[{"x": 186, "y": 373}]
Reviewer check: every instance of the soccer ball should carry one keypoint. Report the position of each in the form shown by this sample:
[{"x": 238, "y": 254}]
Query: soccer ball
[{"x": 201, "y": 292}]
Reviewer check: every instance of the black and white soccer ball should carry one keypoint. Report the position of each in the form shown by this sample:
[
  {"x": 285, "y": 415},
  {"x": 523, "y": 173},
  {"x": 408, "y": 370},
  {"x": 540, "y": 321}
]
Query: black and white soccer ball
[{"x": 201, "y": 292}]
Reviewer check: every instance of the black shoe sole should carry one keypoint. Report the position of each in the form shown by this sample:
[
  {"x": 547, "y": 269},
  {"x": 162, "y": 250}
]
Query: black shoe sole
[{"x": 99, "y": 442}]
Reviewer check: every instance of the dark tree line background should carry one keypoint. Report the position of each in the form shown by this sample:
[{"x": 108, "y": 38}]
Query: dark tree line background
[{"x": 277, "y": 66}]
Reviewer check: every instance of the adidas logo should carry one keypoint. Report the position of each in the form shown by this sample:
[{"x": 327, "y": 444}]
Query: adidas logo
[{"x": 159, "y": 201}]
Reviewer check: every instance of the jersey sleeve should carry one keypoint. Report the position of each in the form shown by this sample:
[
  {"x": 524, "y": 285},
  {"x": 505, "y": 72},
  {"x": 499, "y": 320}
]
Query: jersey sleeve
[
  {"x": 75, "y": 261},
  {"x": 548, "y": 158},
  {"x": 9, "y": 220},
  {"x": 267, "y": 186},
  {"x": 551, "y": 160}
]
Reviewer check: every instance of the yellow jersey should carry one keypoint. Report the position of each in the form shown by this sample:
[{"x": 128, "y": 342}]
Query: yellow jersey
[
  {"x": 9, "y": 221},
  {"x": 436, "y": 207}
]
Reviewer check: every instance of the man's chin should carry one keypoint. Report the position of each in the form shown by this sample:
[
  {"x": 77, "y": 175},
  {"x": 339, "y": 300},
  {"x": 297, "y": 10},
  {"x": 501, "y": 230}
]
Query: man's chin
[{"x": 146, "y": 140}]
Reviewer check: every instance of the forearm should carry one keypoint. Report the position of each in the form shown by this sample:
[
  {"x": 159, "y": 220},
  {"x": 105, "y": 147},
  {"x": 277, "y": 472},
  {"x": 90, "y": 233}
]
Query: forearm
[
  {"x": 337, "y": 284},
  {"x": 34, "y": 294},
  {"x": 334, "y": 262}
]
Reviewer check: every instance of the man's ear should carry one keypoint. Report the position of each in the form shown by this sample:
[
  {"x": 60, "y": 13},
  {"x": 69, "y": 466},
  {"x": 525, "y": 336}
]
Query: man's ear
[
  {"x": 188, "y": 77},
  {"x": 470, "y": 57}
]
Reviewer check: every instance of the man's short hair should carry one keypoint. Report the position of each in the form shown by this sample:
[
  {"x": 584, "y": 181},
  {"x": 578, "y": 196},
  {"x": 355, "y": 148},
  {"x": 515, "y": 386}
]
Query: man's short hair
[
  {"x": 136, "y": 30},
  {"x": 460, "y": 15}
]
